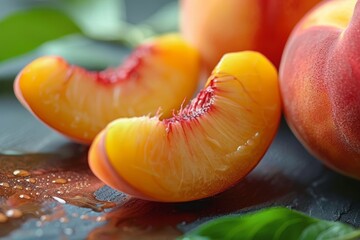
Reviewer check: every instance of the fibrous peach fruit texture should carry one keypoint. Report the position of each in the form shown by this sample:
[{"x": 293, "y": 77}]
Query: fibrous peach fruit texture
[
  {"x": 320, "y": 84},
  {"x": 216, "y": 27},
  {"x": 159, "y": 75},
  {"x": 205, "y": 148}
]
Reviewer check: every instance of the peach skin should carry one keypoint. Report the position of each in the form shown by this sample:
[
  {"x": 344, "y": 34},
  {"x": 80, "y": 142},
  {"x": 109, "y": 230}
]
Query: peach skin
[
  {"x": 320, "y": 84},
  {"x": 207, "y": 147},
  {"x": 216, "y": 27},
  {"x": 159, "y": 75}
]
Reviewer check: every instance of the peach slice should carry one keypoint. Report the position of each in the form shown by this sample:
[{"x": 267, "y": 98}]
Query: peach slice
[
  {"x": 160, "y": 74},
  {"x": 206, "y": 147}
]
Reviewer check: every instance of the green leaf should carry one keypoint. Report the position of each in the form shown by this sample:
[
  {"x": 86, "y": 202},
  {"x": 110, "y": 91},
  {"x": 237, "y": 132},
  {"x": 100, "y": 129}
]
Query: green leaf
[
  {"x": 102, "y": 20},
  {"x": 272, "y": 224},
  {"x": 166, "y": 19},
  {"x": 86, "y": 52},
  {"x": 76, "y": 49},
  {"x": 23, "y": 31}
]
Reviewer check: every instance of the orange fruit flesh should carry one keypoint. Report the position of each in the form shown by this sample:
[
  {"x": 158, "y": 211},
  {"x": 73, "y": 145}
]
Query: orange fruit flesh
[
  {"x": 159, "y": 75},
  {"x": 207, "y": 147}
]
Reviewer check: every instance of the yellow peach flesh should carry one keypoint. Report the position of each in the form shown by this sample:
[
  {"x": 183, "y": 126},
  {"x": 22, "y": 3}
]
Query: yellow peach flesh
[
  {"x": 79, "y": 104},
  {"x": 201, "y": 152}
]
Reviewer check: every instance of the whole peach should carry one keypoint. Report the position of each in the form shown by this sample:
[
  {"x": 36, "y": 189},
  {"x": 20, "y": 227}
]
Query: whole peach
[
  {"x": 320, "y": 84},
  {"x": 216, "y": 27}
]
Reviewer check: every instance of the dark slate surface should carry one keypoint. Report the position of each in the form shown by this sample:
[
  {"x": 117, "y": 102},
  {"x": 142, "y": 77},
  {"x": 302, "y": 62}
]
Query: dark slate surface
[{"x": 287, "y": 176}]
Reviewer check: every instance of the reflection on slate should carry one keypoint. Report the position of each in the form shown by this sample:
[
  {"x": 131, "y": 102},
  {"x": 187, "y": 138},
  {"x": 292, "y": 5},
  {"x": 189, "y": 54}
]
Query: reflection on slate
[{"x": 82, "y": 206}]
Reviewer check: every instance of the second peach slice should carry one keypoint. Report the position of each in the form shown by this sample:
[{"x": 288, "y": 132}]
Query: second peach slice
[{"x": 158, "y": 76}]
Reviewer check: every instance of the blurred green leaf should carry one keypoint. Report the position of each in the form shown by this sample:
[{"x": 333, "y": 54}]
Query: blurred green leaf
[
  {"x": 23, "y": 31},
  {"x": 272, "y": 224},
  {"x": 106, "y": 20},
  {"x": 166, "y": 19},
  {"x": 102, "y": 20},
  {"x": 86, "y": 52},
  {"x": 33, "y": 28},
  {"x": 76, "y": 49}
]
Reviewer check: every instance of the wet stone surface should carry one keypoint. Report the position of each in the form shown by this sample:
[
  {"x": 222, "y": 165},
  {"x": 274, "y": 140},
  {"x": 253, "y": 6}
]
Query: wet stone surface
[{"x": 47, "y": 190}]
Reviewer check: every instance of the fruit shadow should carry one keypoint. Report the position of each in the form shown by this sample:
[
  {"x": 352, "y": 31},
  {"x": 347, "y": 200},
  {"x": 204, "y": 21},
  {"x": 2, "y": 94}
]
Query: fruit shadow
[{"x": 146, "y": 218}]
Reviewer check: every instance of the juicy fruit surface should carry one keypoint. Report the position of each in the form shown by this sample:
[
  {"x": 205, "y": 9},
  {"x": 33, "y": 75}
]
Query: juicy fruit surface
[
  {"x": 205, "y": 148},
  {"x": 158, "y": 76},
  {"x": 320, "y": 84}
]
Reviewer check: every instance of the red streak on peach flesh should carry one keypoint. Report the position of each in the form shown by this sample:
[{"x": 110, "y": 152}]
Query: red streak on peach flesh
[
  {"x": 129, "y": 69},
  {"x": 195, "y": 109}
]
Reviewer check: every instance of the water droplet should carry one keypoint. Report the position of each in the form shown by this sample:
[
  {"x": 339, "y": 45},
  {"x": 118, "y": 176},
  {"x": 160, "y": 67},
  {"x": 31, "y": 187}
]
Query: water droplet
[
  {"x": 64, "y": 220},
  {"x": 250, "y": 142},
  {"x": 240, "y": 148},
  {"x": 68, "y": 231},
  {"x": 37, "y": 193},
  {"x": 60, "y": 192},
  {"x": 24, "y": 196},
  {"x": 21, "y": 173},
  {"x": 84, "y": 217},
  {"x": 31, "y": 180},
  {"x": 14, "y": 213},
  {"x": 222, "y": 168},
  {"x": 257, "y": 134},
  {"x": 44, "y": 218},
  {"x": 59, "y": 181},
  {"x": 18, "y": 187},
  {"x": 94, "y": 204},
  {"x": 100, "y": 219},
  {"x": 60, "y": 200},
  {"x": 183, "y": 223},
  {"x": 4, "y": 184},
  {"x": 3, "y": 218},
  {"x": 28, "y": 189}
]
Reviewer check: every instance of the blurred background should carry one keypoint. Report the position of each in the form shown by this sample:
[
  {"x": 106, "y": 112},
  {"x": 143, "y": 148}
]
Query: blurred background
[{"x": 91, "y": 33}]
